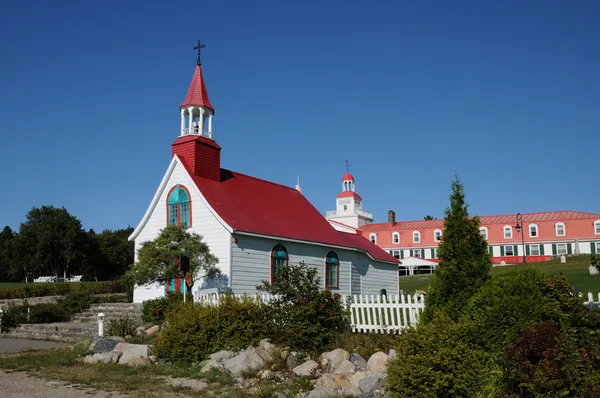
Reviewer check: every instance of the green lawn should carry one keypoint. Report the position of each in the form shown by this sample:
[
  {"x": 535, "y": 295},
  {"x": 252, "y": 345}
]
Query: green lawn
[
  {"x": 576, "y": 269},
  {"x": 22, "y": 284}
]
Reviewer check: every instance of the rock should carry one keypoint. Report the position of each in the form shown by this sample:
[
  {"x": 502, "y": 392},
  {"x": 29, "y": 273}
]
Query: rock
[
  {"x": 323, "y": 392},
  {"x": 372, "y": 383},
  {"x": 377, "y": 362},
  {"x": 343, "y": 379},
  {"x": 153, "y": 330},
  {"x": 284, "y": 354},
  {"x": 153, "y": 359},
  {"x": 292, "y": 360},
  {"x": 393, "y": 354},
  {"x": 265, "y": 354},
  {"x": 334, "y": 358},
  {"x": 346, "y": 367},
  {"x": 267, "y": 375},
  {"x": 140, "y": 330},
  {"x": 184, "y": 382},
  {"x": 326, "y": 381},
  {"x": 307, "y": 369},
  {"x": 94, "y": 358},
  {"x": 351, "y": 391},
  {"x": 266, "y": 345},
  {"x": 244, "y": 362},
  {"x": 104, "y": 344},
  {"x": 138, "y": 362},
  {"x": 359, "y": 361},
  {"x": 357, "y": 377},
  {"x": 211, "y": 363},
  {"x": 134, "y": 351},
  {"x": 121, "y": 347},
  {"x": 112, "y": 357},
  {"x": 221, "y": 356}
]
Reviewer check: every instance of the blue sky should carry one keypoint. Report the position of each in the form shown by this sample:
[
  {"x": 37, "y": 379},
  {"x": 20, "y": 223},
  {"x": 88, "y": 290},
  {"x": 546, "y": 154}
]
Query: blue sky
[{"x": 504, "y": 93}]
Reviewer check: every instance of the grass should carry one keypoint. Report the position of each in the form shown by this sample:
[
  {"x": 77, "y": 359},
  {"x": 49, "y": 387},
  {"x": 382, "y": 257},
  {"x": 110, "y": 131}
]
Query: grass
[{"x": 576, "y": 269}]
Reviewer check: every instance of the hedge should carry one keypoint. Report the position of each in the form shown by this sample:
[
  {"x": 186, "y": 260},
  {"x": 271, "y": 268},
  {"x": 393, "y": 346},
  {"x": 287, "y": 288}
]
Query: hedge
[{"x": 62, "y": 288}]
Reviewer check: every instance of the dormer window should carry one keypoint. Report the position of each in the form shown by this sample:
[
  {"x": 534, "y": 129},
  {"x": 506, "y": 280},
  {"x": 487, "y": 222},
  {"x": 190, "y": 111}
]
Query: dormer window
[
  {"x": 597, "y": 227},
  {"x": 373, "y": 238},
  {"x": 560, "y": 229},
  {"x": 507, "y": 232},
  {"x": 396, "y": 238},
  {"x": 437, "y": 235},
  {"x": 416, "y": 237},
  {"x": 533, "y": 231},
  {"x": 483, "y": 231}
]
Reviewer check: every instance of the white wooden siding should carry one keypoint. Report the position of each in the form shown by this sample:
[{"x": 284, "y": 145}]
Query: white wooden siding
[{"x": 376, "y": 276}]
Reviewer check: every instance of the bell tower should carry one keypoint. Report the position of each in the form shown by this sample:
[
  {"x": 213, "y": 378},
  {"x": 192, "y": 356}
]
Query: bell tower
[{"x": 348, "y": 209}]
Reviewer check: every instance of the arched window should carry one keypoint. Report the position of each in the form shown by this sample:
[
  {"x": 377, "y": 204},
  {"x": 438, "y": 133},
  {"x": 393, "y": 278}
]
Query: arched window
[
  {"x": 279, "y": 260},
  {"x": 179, "y": 207},
  {"x": 332, "y": 271},
  {"x": 437, "y": 235},
  {"x": 396, "y": 238}
]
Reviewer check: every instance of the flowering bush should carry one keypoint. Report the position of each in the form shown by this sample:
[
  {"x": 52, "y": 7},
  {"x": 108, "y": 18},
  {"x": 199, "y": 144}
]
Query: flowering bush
[{"x": 302, "y": 316}]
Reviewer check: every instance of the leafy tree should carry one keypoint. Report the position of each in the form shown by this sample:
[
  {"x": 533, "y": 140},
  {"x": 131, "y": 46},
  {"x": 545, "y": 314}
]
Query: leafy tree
[
  {"x": 53, "y": 234},
  {"x": 156, "y": 259},
  {"x": 428, "y": 217},
  {"x": 23, "y": 261},
  {"x": 117, "y": 252},
  {"x": 6, "y": 236},
  {"x": 465, "y": 261}
]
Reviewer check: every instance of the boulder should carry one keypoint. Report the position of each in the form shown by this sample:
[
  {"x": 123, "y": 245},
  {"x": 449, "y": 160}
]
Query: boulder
[
  {"x": 343, "y": 379},
  {"x": 122, "y": 346},
  {"x": 372, "y": 383},
  {"x": 211, "y": 363},
  {"x": 265, "y": 354},
  {"x": 133, "y": 351},
  {"x": 265, "y": 344},
  {"x": 322, "y": 392},
  {"x": 140, "y": 330},
  {"x": 245, "y": 361},
  {"x": 332, "y": 359},
  {"x": 392, "y": 354},
  {"x": 292, "y": 360},
  {"x": 360, "y": 362},
  {"x": 153, "y": 330},
  {"x": 326, "y": 381},
  {"x": 104, "y": 344},
  {"x": 351, "y": 391},
  {"x": 284, "y": 354},
  {"x": 221, "y": 356},
  {"x": 267, "y": 375},
  {"x": 307, "y": 369},
  {"x": 377, "y": 362},
  {"x": 346, "y": 367},
  {"x": 357, "y": 377},
  {"x": 94, "y": 358},
  {"x": 112, "y": 357}
]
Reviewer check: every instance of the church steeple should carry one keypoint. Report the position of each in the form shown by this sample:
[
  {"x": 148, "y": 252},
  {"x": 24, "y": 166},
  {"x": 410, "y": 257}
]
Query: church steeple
[
  {"x": 196, "y": 109},
  {"x": 349, "y": 209}
]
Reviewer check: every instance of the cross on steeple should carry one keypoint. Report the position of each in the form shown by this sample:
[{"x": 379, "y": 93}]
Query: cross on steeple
[
  {"x": 199, "y": 48},
  {"x": 347, "y": 166}
]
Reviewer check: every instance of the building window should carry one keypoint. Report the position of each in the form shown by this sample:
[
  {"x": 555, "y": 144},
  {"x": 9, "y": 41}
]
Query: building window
[
  {"x": 416, "y": 237},
  {"x": 509, "y": 251},
  {"x": 417, "y": 253},
  {"x": 507, "y": 232},
  {"x": 395, "y": 238},
  {"x": 533, "y": 231},
  {"x": 560, "y": 229},
  {"x": 534, "y": 250},
  {"x": 597, "y": 247},
  {"x": 179, "y": 207},
  {"x": 279, "y": 260},
  {"x": 597, "y": 227},
  {"x": 345, "y": 207},
  {"x": 437, "y": 235},
  {"x": 395, "y": 253},
  {"x": 483, "y": 231},
  {"x": 332, "y": 271},
  {"x": 561, "y": 249},
  {"x": 373, "y": 238}
]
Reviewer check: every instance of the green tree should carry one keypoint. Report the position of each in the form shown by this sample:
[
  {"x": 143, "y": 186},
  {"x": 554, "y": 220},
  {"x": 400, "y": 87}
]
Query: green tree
[
  {"x": 428, "y": 217},
  {"x": 6, "y": 236},
  {"x": 156, "y": 259},
  {"x": 465, "y": 261},
  {"x": 50, "y": 236}
]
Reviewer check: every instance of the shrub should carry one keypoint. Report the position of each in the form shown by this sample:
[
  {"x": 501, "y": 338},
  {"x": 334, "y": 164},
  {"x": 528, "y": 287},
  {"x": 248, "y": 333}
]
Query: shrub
[
  {"x": 366, "y": 344},
  {"x": 75, "y": 302},
  {"x": 48, "y": 313},
  {"x": 121, "y": 327},
  {"x": 196, "y": 331},
  {"x": 302, "y": 316},
  {"x": 62, "y": 288},
  {"x": 154, "y": 311}
]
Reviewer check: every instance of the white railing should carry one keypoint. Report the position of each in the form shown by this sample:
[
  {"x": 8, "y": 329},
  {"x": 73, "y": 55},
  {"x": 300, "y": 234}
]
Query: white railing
[
  {"x": 384, "y": 314},
  {"x": 186, "y": 131}
]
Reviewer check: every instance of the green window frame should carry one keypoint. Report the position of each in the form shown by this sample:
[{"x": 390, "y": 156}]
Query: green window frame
[
  {"x": 332, "y": 271},
  {"x": 179, "y": 207},
  {"x": 279, "y": 260}
]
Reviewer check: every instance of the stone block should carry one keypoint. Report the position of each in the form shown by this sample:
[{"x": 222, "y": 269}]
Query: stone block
[
  {"x": 378, "y": 362},
  {"x": 134, "y": 351},
  {"x": 153, "y": 330},
  {"x": 244, "y": 362},
  {"x": 307, "y": 369}
]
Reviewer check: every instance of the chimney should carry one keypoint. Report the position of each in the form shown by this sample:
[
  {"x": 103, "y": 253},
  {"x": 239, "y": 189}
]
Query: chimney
[
  {"x": 391, "y": 217},
  {"x": 201, "y": 154}
]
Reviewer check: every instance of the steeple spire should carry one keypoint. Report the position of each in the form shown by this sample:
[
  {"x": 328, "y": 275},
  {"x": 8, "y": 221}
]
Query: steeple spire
[{"x": 199, "y": 48}]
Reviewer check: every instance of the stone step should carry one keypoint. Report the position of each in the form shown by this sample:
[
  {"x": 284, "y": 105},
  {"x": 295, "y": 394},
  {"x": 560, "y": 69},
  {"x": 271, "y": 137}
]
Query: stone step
[
  {"x": 63, "y": 338},
  {"x": 65, "y": 331},
  {"x": 109, "y": 313},
  {"x": 108, "y": 306}
]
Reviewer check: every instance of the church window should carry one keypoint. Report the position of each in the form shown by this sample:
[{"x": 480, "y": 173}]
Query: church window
[
  {"x": 332, "y": 271},
  {"x": 279, "y": 261},
  {"x": 179, "y": 207}
]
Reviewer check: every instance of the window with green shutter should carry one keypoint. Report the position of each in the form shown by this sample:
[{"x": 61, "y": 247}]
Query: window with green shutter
[
  {"x": 541, "y": 250},
  {"x": 501, "y": 251},
  {"x": 554, "y": 252},
  {"x": 422, "y": 253},
  {"x": 516, "y": 250},
  {"x": 527, "y": 251},
  {"x": 593, "y": 247},
  {"x": 569, "y": 248},
  {"x": 411, "y": 253}
]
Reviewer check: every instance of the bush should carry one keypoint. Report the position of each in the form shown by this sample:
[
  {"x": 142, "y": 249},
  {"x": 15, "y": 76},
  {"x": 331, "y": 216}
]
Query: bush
[
  {"x": 75, "y": 302},
  {"x": 38, "y": 313},
  {"x": 366, "y": 344},
  {"x": 155, "y": 311},
  {"x": 121, "y": 327},
  {"x": 302, "y": 316},
  {"x": 62, "y": 288},
  {"x": 196, "y": 331}
]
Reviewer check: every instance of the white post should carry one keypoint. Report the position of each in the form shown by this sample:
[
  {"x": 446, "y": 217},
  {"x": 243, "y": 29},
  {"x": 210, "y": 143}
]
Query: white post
[
  {"x": 201, "y": 121},
  {"x": 183, "y": 289},
  {"x": 191, "y": 119},
  {"x": 210, "y": 116},
  {"x": 182, "y": 121},
  {"x": 1, "y": 320},
  {"x": 101, "y": 324}
]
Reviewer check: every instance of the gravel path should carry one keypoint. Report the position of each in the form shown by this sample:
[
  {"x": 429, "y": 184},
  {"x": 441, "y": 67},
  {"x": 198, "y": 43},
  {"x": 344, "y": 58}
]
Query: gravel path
[{"x": 21, "y": 385}]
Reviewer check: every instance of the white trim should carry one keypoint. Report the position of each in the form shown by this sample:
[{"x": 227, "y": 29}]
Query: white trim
[
  {"x": 564, "y": 229},
  {"x": 504, "y": 232},
  {"x": 418, "y": 234},
  {"x": 531, "y": 251},
  {"x": 373, "y": 238},
  {"x": 484, "y": 229},
  {"x": 313, "y": 243},
  {"x": 394, "y": 236},
  {"x": 537, "y": 230},
  {"x": 597, "y": 247},
  {"x": 566, "y": 249},
  {"x": 512, "y": 248},
  {"x": 435, "y": 239},
  {"x": 597, "y": 227},
  {"x": 158, "y": 193}
]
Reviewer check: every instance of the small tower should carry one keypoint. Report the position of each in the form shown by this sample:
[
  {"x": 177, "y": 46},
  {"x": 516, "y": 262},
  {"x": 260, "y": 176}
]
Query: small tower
[
  {"x": 196, "y": 109},
  {"x": 349, "y": 205}
]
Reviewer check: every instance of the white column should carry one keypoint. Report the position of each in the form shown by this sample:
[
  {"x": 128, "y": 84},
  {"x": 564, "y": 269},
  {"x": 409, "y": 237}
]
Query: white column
[
  {"x": 182, "y": 121},
  {"x": 201, "y": 121},
  {"x": 210, "y": 116},
  {"x": 191, "y": 120}
]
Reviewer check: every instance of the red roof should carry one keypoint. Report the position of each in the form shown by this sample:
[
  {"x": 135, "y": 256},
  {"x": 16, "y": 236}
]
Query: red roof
[
  {"x": 257, "y": 206},
  {"x": 349, "y": 194},
  {"x": 347, "y": 177},
  {"x": 197, "y": 94}
]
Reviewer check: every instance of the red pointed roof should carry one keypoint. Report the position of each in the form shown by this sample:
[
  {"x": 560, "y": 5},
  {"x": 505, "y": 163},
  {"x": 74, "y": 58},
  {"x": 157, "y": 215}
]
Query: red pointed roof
[
  {"x": 197, "y": 94},
  {"x": 347, "y": 177},
  {"x": 349, "y": 194},
  {"x": 251, "y": 205}
]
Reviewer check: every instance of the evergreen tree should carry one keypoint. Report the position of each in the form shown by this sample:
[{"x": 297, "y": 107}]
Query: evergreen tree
[
  {"x": 6, "y": 236},
  {"x": 465, "y": 261}
]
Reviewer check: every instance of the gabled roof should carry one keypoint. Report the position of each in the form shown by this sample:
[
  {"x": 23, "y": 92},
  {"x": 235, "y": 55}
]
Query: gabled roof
[
  {"x": 251, "y": 205},
  {"x": 197, "y": 94}
]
